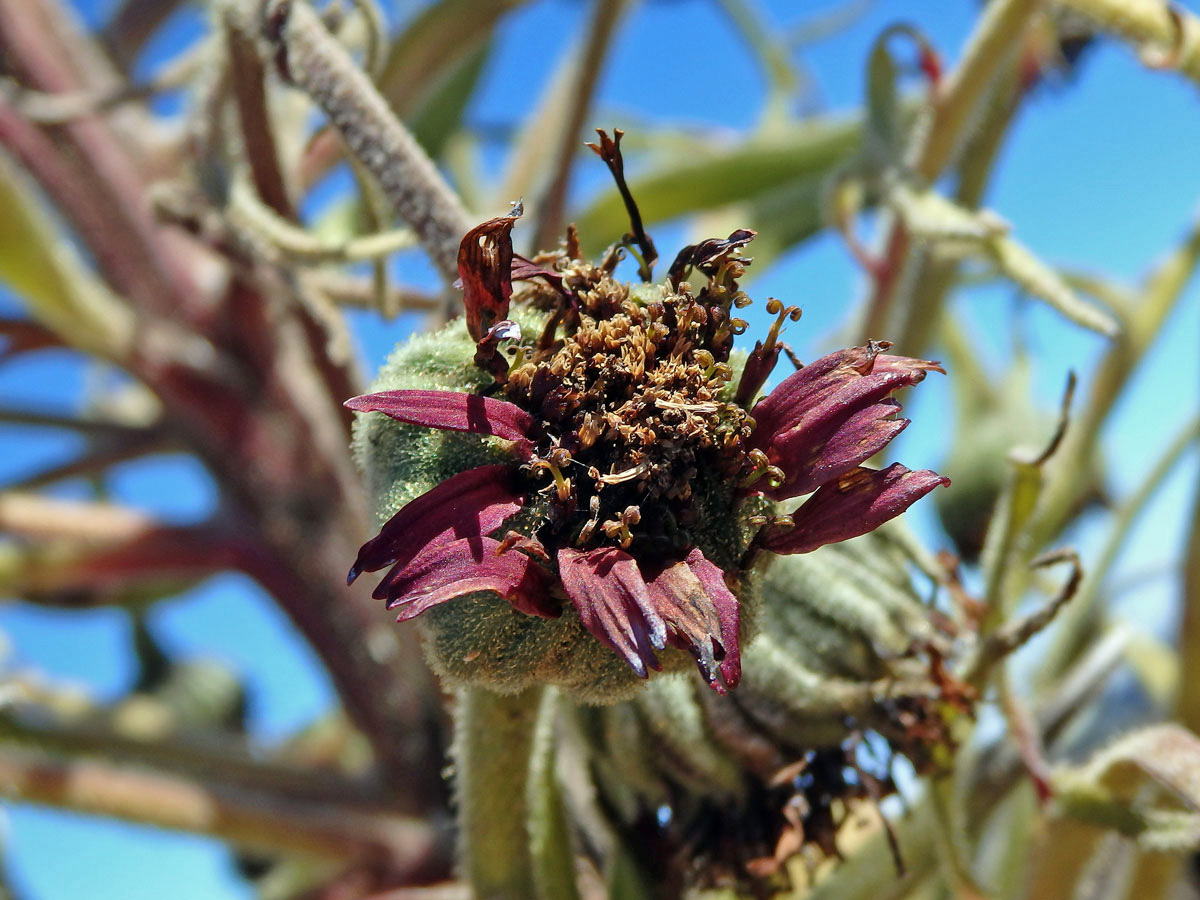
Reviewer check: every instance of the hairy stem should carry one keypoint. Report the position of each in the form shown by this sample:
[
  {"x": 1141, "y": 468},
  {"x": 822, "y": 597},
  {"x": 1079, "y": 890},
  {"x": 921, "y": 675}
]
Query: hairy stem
[
  {"x": 940, "y": 134},
  {"x": 317, "y": 63},
  {"x": 1168, "y": 34},
  {"x": 493, "y": 741}
]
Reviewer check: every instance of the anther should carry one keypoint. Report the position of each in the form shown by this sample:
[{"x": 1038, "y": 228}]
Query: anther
[
  {"x": 589, "y": 431},
  {"x": 759, "y": 466},
  {"x": 563, "y": 485},
  {"x": 589, "y": 528},
  {"x": 782, "y": 314},
  {"x": 514, "y": 540},
  {"x": 629, "y": 474},
  {"x": 619, "y": 529}
]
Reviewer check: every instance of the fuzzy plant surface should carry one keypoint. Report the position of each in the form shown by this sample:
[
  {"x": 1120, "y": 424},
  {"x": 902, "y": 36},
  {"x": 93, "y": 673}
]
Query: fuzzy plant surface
[{"x": 478, "y": 638}]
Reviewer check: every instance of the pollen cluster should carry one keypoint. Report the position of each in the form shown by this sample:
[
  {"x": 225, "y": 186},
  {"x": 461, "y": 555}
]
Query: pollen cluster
[{"x": 633, "y": 401}]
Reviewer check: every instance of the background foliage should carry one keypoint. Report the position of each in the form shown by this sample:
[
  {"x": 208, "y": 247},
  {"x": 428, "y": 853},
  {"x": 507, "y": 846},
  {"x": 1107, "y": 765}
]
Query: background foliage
[{"x": 196, "y": 273}]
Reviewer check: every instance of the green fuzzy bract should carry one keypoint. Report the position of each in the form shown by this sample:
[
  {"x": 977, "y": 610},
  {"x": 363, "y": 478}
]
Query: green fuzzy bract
[{"x": 479, "y": 639}]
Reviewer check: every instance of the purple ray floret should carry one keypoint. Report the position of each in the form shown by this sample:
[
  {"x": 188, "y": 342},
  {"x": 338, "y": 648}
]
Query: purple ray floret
[
  {"x": 858, "y": 502},
  {"x": 610, "y": 594},
  {"x": 464, "y": 566},
  {"x": 453, "y": 411},
  {"x": 469, "y": 504},
  {"x": 701, "y": 615}
]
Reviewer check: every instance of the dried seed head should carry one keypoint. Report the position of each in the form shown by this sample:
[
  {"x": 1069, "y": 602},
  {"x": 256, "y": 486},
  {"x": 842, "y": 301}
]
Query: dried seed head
[{"x": 633, "y": 401}]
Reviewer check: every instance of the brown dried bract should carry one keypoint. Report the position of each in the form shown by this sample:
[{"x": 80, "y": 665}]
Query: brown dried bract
[{"x": 485, "y": 258}]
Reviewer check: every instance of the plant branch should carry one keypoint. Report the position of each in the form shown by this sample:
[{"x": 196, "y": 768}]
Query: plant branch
[
  {"x": 100, "y": 428},
  {"x": 250, "y": 818},
  {"x": 941, "y": 130},
  {"x": 102, "y": 455},
  {"x": 1162, "y": 290},
  {"x": 297, "y": 244},
  {"x": 250, "y": 98},
  {"x": 194, "y": 753},
  {"x": 573, "y": 112},
  {"x": 132, "y": 25},
  {"x": 869, "y": 873},
  {"x": 991, "y": 45},
  {"x": 351, "y": 291},
  {"x": 314, "y": 61},
  {"x": 36, "y": 516},
  {"x": 1000, "y": 642},
  {"x": 1167, "y": 35},
  {"x": 1083, "y": 617},
  {"x": 25, "y": 335},
  {"x": 92, "y": 178},
  {"x": 913, "y": 324},
  {"x": 377, "y": 669}
]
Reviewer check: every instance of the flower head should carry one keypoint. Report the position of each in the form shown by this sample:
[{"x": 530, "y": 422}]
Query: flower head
[{"x": 637, "y": 479}]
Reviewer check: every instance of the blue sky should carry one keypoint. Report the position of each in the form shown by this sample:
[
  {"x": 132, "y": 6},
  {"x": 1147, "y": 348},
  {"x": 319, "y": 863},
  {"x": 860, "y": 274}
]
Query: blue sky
[{"x": 1099, "y": 175}]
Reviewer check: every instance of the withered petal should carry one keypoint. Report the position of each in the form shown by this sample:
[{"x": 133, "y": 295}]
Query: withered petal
[
  {"x": 728, "y": 613},
  {"x": 469, "y": 504},
  {"x": 608, "y": 590},
  {"x": 832, "y": 415},
  {"x": 708, "y": 253},
  {"x": 783, "y": 407},
  {"x": 701, "y": 615},
  {"x": 760, "y": 363},
  {"x": 857, "y": 502},
  {"x": 524, "y": 269},
  {"x": 812, "y": 456},
  {"x": 855, "y": 376},
  {"x": 445, "y": 571},
  {"x": 485, "y": 258},
  {"x": 453, "y": 411}
]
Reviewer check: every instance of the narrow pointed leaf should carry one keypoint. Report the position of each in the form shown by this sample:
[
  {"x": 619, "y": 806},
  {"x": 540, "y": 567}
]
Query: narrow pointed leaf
[
  {"x": 45, "y": 270},
  {"x": 1043, "y": 282}
]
